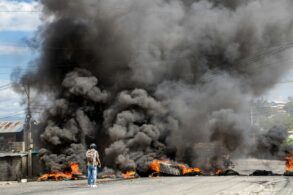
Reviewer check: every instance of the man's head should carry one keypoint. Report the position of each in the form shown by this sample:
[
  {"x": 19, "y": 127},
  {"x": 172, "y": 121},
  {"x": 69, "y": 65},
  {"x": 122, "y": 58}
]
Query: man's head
[{"x": 93, "y": 146}]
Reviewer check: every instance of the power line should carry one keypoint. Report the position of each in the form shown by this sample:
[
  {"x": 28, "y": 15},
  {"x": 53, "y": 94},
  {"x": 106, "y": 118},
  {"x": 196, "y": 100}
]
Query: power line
[
  {"x": 150, "y": 11},
  {"x": 4, "y": 87},
  {"x": 285, "y": 82},
  {"x": 12, "y": 115},
  {"x": 270, "y": 52},
  {"x": 20, "y": 11}
]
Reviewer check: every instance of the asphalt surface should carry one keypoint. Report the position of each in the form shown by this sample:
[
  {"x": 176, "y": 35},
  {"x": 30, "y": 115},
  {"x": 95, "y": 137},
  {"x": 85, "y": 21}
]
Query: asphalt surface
[
  {"x": 197, "y": 185},
  {"x": 234, "y": 185}
]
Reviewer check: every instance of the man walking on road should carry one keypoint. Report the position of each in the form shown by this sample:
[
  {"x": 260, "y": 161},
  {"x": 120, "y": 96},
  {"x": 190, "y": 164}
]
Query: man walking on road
[{"x": 93, "y": 161}]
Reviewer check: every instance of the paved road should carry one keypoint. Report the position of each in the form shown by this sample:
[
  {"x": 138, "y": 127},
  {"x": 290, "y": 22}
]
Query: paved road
[
  {"x": 203, "y": 185},
  {"x": 241, "y": 185}
]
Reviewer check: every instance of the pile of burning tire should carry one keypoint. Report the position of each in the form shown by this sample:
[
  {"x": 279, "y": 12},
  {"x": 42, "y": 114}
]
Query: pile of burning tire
[{"x": 167, "y": 168}]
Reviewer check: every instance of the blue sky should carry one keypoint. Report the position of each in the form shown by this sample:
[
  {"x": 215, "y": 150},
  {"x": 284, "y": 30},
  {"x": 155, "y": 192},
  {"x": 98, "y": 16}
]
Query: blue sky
[
  {"x": 13, "y": 51},
  {"x": 16, "y": 27}
]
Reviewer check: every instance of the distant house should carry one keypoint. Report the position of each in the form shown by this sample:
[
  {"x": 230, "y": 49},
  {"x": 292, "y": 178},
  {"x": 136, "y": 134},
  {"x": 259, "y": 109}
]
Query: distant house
[
  {"x": 13, "y": 152},
  {"x": 278, "y": 107},
  {"x": 13, "y": 159},
  {"x": 12, "y": 136},
  {"x": 290, "y": 134}
]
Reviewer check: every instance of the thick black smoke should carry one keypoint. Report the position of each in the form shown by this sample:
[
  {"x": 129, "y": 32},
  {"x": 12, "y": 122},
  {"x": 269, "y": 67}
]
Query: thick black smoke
[
  {"x": 156, "y": 79},
  {"x": 271, "y": 143}
]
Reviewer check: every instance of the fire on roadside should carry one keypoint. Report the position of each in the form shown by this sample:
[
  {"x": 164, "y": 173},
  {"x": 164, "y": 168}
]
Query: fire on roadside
[
  {"x": 59, "y": 176},
  {"x": 75, "y": 169},
  {"x": 129, "y": 175},
  {"x": 289, "y": 162},
  {"x": 155, "y": 167},
  {"x": 219, "y": 172},
  {"x": 188, "y": 170}
]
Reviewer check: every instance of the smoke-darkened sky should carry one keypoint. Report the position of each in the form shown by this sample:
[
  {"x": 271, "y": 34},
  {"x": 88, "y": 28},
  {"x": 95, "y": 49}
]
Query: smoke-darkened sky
[
  {"x": 19, "y": 26},
  {"x": 161, "y": 79}
]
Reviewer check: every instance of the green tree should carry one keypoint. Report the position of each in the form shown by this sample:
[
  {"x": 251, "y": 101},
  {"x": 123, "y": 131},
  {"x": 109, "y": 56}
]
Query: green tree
[{"x": 289, "y": 106}]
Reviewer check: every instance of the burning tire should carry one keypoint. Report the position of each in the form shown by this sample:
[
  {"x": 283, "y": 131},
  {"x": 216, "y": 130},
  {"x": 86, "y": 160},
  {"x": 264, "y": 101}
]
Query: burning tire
[
  {"x": 167, "y": 169},
  {"x": 228, "y": 172},
  {"x": 262, "y": 173},
  {"x": 288, "y": 173}
]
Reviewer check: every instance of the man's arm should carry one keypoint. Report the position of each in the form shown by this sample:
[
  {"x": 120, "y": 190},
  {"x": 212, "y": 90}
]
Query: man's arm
[{"x": 98, "y": 160}]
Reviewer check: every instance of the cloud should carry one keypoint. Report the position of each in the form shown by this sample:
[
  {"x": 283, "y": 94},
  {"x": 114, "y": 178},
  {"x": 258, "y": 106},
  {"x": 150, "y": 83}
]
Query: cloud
[
  {"x": 10, "y": 102},
  {"x": 8, "y": 49},
  {"x": 17, "y": 15}
]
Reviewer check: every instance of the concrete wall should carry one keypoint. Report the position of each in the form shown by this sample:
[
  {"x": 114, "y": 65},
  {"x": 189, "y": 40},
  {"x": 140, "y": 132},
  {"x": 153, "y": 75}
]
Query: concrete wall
[
  {"x": 11, "y": 142},
  {"x": 11, "y": 168},
  {"x": 14, "y": 168},
  {"x": 6, "y": 142}
]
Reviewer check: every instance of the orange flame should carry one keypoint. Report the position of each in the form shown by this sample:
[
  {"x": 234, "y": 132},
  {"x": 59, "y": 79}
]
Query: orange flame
[
  {"x": 75, "y": 169},
  {"x": 129, "y": 175},
  {"x": 58, "y": 176},
  {"x": 185, "y": 170},
  {"x": 188, "y": 170},
  {"x": 219, "y": 172},
  {"x": 289, "y": 162},
  {"x": 155, "y": 166}
]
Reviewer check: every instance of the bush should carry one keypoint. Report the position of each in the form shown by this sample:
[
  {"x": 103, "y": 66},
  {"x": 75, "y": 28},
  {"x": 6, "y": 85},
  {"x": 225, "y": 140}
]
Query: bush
[{"x": 290, "y": 141}]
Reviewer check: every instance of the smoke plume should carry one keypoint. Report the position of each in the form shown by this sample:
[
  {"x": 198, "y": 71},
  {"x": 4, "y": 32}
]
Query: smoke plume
[{"x": 156, "y": 79}]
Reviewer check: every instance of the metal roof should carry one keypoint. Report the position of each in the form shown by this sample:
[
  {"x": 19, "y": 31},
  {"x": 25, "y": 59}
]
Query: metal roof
[
  {"x": 11, "y": 126},
  {"x": 12, "y": 154}
]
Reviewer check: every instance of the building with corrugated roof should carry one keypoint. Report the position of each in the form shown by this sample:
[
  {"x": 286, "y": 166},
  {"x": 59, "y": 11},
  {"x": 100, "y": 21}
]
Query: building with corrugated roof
[
  {"x": 13, "y": 158},
  {"x": 14, "y": 151},
  {"x": 12, "y": 136}
]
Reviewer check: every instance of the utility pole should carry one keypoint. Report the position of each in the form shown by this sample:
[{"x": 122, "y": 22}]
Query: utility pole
[
  {"x": 252, "y": 122},
  {"x": 251, "y": 116},
  {"x": 29, "y": 141}
]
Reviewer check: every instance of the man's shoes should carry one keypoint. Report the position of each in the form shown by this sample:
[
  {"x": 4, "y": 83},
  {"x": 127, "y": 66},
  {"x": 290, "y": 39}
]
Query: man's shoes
[{"x": 92, "y": 186}]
